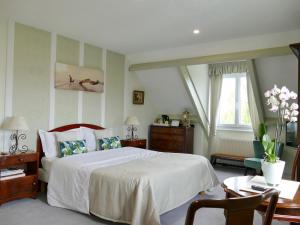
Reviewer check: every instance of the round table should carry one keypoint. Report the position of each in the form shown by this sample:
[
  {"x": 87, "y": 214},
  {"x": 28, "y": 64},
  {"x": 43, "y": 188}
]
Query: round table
[{"x": 286, "y": 210}]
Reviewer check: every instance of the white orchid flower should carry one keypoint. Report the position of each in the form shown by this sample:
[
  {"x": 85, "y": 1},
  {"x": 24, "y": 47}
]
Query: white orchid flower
[
  {"x": 293, "y": 95},
  {"x": 274, "y": 108},
  {"x": 284, "y": 97},
  {"x": 294, "y": 106},
  {"x": 286, "y": 117},
  {"x": 274, "y": 100},
  {"x": 294, "y": 113},
  {"x": 285, "y": 90},
  {"x": 293, "y": 119},
  {"x": 267, "y": 94},
  {"x": 275, "y": 90}
]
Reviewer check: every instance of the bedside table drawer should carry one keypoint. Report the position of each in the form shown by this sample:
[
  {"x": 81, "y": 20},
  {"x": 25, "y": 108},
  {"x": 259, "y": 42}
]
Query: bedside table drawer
[
  {"x": 12, "y": 160},
  {"x": 138, "y": 143},
  {"x": 18, "y": 188}
]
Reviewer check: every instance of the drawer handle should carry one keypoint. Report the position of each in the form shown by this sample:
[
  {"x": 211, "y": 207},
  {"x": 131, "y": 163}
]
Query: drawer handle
[
  {"x": 21, "y": 159},
  {"x": 34, "y": 183}
]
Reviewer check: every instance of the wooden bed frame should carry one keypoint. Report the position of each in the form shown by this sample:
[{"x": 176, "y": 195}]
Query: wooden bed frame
[{"x": 39, "y": 147}]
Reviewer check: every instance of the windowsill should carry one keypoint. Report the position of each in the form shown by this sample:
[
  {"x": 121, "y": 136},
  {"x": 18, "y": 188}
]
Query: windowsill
[{"x": 239, "y": 129}]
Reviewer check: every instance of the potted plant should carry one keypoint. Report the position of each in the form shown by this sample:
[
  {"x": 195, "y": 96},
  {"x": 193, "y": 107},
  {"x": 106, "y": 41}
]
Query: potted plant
[
  {"x": 257, "y": 143},
  {"x": 285, "y": 110}
]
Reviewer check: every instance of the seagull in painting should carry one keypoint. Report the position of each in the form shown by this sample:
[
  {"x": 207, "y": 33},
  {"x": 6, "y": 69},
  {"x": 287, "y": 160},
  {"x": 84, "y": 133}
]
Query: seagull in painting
[{"x": 71, "y": 79}]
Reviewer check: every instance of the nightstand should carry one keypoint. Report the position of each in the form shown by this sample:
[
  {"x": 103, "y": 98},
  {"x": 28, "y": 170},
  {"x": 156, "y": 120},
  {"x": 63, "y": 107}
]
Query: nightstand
[
  {"x": 138, "y": 143},
  {"x": 20, "y": 187}
]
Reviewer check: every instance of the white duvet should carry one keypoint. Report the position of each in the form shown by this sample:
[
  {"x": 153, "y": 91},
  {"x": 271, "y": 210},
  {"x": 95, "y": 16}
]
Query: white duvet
[{"x": 128, "y": 185}]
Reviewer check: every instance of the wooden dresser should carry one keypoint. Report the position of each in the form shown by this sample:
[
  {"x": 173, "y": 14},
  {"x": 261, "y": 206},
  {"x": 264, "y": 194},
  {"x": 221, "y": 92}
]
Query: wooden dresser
[
  {"x": 21, "y": 187},
  {"x": 171, "y": 139}
]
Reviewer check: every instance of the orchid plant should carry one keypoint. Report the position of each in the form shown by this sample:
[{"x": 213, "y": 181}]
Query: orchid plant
[{"x": 280, "y": 102}]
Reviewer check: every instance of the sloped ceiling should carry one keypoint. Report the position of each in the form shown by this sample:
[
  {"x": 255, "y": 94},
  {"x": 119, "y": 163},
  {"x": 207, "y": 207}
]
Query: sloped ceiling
[{"x": 166, "y": 90}]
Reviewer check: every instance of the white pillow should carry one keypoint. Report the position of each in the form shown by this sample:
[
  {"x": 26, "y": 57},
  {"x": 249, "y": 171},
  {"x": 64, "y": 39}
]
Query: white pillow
[
  {"x": 89, "y": 137},
  {"x": 48, "y": 143},
  {"x": 70, "y": 135},
  {"x": 105, "y": 133}
]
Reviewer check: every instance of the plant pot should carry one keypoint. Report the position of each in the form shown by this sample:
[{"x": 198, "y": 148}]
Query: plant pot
[{"x": 273, "y": 171}]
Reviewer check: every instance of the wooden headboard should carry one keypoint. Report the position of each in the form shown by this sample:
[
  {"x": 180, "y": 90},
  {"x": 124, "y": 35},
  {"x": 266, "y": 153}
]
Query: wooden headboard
[{"x": 39, "y": 147}]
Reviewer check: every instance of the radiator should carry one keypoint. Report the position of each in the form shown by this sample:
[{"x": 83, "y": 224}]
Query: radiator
[{"x": 234, "y": 147}]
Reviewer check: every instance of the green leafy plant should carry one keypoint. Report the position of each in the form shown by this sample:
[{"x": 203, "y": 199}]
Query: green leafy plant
[
  {"x": 269, "y": 146},
  {"x": 262, "y": 130}
]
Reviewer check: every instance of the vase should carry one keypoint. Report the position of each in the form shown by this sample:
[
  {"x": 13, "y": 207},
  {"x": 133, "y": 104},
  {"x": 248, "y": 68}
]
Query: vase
[{"x": 272, "y": 171}]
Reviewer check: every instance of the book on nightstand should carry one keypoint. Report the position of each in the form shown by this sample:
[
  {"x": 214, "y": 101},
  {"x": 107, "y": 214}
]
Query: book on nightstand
[
  {"x": 12, "y": 176},
  {"x": 7, "y": 174}
]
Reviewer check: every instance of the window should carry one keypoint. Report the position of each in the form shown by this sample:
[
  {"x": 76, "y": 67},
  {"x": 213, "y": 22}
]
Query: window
[{"x": 233, "y": 107}]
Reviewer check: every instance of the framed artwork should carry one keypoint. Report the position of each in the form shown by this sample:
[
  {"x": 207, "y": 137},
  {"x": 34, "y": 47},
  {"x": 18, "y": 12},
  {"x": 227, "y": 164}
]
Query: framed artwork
[
  {"x": 138, "y": 97},
  {"x": 71, "y": 77}
]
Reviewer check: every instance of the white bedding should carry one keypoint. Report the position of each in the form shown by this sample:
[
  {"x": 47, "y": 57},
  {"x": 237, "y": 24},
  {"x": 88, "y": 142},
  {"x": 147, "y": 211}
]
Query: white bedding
[
  {"x": 79, "y": 183},
  {"x": 47, "y": 163},
  {"x": 44, "y": 172}
]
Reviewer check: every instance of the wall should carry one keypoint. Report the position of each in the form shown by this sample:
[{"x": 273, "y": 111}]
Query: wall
[
  {"x": 145, "y": 113},
  {"x": 165, "y": 89},
  {"x": 281, "y": 70},
  {"x": 3, "y": 51},
  {"x": 28, "y": 80}
]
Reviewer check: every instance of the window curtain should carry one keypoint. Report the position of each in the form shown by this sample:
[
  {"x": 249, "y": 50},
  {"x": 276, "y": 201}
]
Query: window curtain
[
  {"x": 215, "y": 93},
  {"x": 216, "y": 72},
  {"x": 254, "y": 100}
]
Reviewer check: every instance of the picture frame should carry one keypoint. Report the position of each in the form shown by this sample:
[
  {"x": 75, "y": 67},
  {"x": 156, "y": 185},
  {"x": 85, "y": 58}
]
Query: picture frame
[
  {"x": 77, "y": 78},
  {"x": 175, "y": 123},
  {"x": 138, "y": 97}
]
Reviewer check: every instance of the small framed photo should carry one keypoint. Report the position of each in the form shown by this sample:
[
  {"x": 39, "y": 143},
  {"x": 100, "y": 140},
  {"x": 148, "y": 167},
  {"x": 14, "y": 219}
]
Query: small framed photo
[
  {"x": 175, "y": 123},
  {"x": 138, "y": 97}
]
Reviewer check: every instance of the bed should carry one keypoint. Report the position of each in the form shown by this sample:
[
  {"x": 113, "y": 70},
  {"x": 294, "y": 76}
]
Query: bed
[{"x": 128, "y": 185}]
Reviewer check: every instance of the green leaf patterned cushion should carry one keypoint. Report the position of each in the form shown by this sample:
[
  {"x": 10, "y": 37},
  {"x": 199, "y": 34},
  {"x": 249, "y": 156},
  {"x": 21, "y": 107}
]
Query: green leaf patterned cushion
[
  {"x": 72, "y": 147},
  {"x": 109, "y": 143}
]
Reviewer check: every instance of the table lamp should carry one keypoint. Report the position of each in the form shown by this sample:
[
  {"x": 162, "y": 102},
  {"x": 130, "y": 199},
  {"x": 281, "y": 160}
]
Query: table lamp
[
  {"x": 16, "y": 124},
  {"x": 132, "y": 121}
]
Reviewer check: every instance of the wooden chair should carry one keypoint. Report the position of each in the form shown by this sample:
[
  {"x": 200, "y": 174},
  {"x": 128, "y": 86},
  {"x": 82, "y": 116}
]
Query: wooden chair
[
  {"x": 237, "y": 210},
  {"x": 296, "y": 166},
  {"x": 295, "y": 176}
]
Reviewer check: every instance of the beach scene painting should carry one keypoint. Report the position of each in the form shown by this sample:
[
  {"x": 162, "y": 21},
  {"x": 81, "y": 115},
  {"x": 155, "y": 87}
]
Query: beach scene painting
[{"x": 71, "y": 77}]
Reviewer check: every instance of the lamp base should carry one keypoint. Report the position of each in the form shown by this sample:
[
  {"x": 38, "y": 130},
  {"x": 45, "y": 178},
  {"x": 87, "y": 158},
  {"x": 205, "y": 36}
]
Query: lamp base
[{"x": 15, "y": 147}]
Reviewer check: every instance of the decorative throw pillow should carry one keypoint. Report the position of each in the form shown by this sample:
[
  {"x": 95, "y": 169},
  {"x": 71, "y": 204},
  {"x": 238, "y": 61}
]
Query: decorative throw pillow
[
  {"x": 72, "y": 147},
  {"x": 109, "y": 143},
  {"x": 100, "y": 134}
]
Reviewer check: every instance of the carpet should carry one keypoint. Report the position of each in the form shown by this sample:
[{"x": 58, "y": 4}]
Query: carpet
[{"x": 38, "y": 212}]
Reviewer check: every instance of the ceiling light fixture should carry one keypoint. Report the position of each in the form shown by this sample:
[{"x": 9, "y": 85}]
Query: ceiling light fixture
[{"x": 196, "y": 31}]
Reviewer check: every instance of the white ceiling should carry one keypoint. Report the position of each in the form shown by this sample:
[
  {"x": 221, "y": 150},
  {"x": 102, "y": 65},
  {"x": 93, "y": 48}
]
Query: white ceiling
[{"x": 133, "y": 26}]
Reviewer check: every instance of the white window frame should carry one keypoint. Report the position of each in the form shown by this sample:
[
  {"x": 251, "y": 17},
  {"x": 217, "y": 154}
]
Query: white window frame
[{"x": 236, "y": 125}]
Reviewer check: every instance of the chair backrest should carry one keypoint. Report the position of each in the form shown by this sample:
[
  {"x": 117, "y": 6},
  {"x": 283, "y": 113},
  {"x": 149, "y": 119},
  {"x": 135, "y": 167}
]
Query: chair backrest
[
  {"x": 296, "y": 166},
  {"x": 279, "y": 150},
  {"x": 259, "y": 151},
  {"x": 237, "y": 210}
]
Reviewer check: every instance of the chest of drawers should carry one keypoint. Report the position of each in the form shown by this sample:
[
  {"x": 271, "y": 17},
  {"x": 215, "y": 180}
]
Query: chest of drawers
[{"x": 171, "y": 139}]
